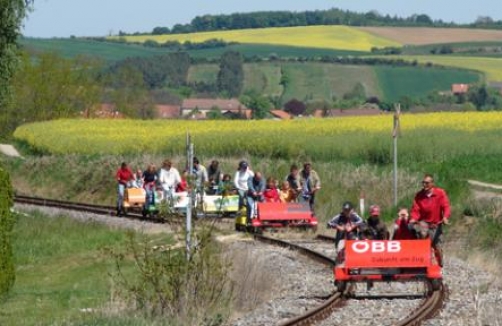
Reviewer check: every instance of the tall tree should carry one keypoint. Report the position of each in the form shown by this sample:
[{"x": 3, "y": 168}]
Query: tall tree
[
  {"x": 231, "y": 75},
  {"x": 50, "y": 87},
  {"x": 12, "y": 13}
]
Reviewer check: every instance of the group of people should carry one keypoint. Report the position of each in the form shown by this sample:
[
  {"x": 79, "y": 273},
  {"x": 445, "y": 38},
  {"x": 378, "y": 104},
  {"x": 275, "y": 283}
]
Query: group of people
[
  {"x": 430, "y": 210},
  {"x": 162, "y": 182},
  {"x": 297, "y": 186},
  {"x": 250, "y": 186}
]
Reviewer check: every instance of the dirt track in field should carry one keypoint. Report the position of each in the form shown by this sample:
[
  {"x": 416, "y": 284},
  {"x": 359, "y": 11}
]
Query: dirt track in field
[{"x": 428, "y": 35}]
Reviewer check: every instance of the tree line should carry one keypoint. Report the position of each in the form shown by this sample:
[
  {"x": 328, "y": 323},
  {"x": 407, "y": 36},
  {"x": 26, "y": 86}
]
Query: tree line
[{"x": 334, "y": 16}]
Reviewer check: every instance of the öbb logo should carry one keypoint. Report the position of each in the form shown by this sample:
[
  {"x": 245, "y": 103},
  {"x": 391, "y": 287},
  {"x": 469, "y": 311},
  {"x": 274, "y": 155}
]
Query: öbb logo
[{"x": 362, "y": 247}]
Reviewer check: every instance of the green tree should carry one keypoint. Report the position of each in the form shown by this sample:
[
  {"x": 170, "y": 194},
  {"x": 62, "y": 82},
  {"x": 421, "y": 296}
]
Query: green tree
[
  {"x": 357, "y": 93},
  {"x": 231, "y": 75},
  {"x": 259, "y": 104},
  {"x": 12, "y": 13},
  {"x": 485, "y": 98},
  {"x": 51, "y": 87},
  {"x": 130, "y": 94}
]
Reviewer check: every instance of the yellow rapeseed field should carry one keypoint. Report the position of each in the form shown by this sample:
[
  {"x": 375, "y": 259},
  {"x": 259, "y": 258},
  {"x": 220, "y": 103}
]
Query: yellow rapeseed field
[
  {"x": 257, "y": 137},
  {"x": 329, "y": 37}
]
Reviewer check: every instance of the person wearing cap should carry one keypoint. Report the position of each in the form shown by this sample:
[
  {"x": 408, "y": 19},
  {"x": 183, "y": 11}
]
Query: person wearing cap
[
  {"x": 430, "y": 210},
  {"x": 375, "y": 227},
  {"x": 347, "y": 223},
  {"x": 241, "y": 178}
]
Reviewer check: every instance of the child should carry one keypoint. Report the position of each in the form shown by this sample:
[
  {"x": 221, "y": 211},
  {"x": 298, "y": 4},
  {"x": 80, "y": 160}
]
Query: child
[
  {"x": 226, "y": 186},
  {"x": 183, "y": 185},
  {"x": 271, "y": 194},
  {"x": 286, "y": 194},
  {"x": 401, "y": 229}
]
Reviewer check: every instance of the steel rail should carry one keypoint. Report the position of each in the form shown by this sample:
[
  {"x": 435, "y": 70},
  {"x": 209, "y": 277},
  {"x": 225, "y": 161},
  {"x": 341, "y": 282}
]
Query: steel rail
[
  {"x": 318, "y": 313},
  {"x": 429, "y": 307}
]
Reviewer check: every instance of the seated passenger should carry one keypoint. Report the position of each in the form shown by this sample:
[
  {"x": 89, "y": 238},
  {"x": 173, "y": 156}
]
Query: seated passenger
[
  {"x": 169, "y": 178},
  {"x": 293, "y": 178},
  {"x": 183, "y": 184},
  {"x": 138, "y": 183},
  {"x": 226, "y": 186},
  {"x": 200, "y": 175},
  {"x": 401, "y": 227},
  {"x": 271, "y": 194},
  {"x": 375, "y": 228},
  {"x": 214, "y": 177},
  {"x": 347, "y": 224},
  {"x": 256, "y": 187},
  {"x": 150, "y": 179},
  {"x": 124, "y": 177},
  {"x": 286, "y": 194}
]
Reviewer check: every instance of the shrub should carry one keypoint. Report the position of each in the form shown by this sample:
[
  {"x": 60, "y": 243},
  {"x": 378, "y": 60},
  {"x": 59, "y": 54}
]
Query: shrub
[
  {"x": 7, "y": 220},
  {"x": 166, "y": 284}
]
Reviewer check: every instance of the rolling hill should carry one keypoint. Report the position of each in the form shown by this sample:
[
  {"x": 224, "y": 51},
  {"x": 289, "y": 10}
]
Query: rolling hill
[
  {"x": 319, "y": 81},
  {"x": 315, "y": 80},
  {"x": 325, "y": 37}
]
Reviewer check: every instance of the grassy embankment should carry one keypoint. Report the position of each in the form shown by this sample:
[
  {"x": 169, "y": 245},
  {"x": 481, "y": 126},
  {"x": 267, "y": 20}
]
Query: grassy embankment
[
  {"x": 62, "y": 272},
  {"x": 455, "y": 147}
]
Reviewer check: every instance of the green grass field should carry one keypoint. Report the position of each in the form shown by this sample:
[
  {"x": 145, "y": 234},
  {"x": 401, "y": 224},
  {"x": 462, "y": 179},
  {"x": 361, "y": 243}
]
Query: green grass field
[
  {"x": 490, "y": 67},
  {"x": 416, "y": 82},
  {"x": 62, "y": 269},
  {"x": 207, "y": 73},
  {"x": 111, "y": 51},
  {"x": 106, "y": 51},
  {"x": 264, "y": 78},
  {"x": 474, "y": 49},
  {"x": 323, "y": 81}
]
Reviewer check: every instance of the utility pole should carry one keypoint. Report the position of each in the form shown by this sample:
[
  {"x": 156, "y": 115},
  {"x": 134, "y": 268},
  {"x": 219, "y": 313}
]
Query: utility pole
[{"x": 395, "y": 134}]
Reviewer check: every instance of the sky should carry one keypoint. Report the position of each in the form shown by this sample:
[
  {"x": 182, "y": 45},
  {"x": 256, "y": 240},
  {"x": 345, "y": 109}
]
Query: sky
[{"x": 63, "y": 18}]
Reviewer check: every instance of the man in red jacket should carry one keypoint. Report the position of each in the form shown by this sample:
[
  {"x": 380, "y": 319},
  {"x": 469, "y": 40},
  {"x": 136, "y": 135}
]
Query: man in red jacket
[
  {"x": 431, "y": 209},
  {"x": 124, "y": 177}
]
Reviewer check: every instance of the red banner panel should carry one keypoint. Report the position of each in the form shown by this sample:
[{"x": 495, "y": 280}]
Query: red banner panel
[{"x": 377, "y": 253}]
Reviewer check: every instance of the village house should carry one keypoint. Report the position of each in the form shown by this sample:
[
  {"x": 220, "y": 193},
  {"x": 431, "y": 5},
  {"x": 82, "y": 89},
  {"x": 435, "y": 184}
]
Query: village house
[
  {"x": 458, "y": 89},
  {"x": 199, "y": 108}
]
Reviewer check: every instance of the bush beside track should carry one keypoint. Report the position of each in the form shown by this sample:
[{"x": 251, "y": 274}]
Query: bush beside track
[{"x": 7, "y": 221}]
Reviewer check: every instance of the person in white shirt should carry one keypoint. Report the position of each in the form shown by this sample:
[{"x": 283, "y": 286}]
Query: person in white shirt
[
  {"x": 241, "y": 181},
  {"x": 169, "y": 178}
]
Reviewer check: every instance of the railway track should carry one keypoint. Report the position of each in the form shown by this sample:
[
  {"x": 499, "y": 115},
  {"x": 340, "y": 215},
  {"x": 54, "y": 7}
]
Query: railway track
[{"x": 429, "y": 307}]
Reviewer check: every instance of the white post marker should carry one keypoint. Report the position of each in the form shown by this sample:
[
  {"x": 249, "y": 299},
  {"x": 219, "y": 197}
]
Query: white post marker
[
  {"x": 361, "y": 203},
  {"x": 395, "y": 134},
  {"x": 189, "y": 206}
]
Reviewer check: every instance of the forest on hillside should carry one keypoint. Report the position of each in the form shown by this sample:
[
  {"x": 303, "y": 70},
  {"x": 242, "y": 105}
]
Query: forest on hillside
[{"x": 334, "y": 16}]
